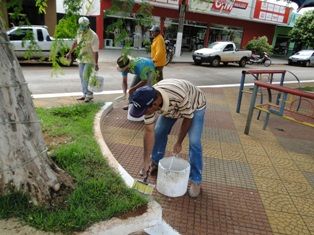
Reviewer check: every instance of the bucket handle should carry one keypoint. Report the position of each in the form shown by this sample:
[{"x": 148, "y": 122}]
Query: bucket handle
[{"x": 175, "y": 156}]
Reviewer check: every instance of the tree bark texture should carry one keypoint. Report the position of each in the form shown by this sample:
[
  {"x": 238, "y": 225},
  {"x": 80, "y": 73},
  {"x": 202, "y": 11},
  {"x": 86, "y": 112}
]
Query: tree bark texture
[{"x": 24, "y": 162}]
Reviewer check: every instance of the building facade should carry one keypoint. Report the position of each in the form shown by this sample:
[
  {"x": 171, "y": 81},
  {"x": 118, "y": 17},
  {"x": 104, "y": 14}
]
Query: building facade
[
  {"x": 204, "y": 22},
  {"x": 208, "y": 21}
]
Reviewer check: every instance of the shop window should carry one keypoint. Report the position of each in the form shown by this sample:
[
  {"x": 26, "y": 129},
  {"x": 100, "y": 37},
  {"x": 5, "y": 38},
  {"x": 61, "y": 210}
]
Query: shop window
[
  {"x": 225, "y": 33},
  {"x": 193, "y": 33},
  {"x": 281, "y": 45},
  {"x": 138, "y": 35}
]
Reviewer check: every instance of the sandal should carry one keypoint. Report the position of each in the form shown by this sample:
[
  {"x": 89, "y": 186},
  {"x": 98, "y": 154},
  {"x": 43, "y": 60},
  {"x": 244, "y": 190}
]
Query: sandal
[{"x": 153, "y": 169}]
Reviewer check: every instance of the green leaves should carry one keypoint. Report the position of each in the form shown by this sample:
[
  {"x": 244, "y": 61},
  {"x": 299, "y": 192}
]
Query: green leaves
[
  {"x": 303, "y": 30},
  {"x": 259, "y": 45},
  {"x": 41, "y": 5}
]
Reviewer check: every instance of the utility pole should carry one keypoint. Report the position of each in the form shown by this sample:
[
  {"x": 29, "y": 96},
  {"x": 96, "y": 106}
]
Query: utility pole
[{"x": 180, "y": 28}]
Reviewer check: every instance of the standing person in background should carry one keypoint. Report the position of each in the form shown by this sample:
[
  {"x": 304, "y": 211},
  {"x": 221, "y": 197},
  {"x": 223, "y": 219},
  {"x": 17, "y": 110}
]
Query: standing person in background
[
  {"x": 87, "y": 43},
  {"x": 158, "y": 51}
]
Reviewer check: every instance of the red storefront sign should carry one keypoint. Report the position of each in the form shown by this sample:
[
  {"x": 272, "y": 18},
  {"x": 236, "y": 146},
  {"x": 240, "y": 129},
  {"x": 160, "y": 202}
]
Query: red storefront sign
[
  {"x": 226, "y": 6},
  {"x": 268, "y": 11}
]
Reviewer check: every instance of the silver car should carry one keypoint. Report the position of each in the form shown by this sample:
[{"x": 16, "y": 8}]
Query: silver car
[{"x": 304, "y": 57}]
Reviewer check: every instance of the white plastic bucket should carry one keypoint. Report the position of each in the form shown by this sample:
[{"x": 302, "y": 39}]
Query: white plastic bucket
[{"x": 173, "y": 176}]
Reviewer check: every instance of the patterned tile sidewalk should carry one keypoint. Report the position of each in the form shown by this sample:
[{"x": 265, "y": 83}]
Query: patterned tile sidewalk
[{"x": 260, "y": 183}]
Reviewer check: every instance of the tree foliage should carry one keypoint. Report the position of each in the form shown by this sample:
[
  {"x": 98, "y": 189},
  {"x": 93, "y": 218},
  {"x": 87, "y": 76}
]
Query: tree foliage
[
  {"x": 259, "y": 45},
  {"x": 303, "y": 30}
]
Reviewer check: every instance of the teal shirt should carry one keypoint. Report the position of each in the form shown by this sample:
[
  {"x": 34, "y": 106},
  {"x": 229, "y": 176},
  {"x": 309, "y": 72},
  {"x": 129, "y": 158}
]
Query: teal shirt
[{"x": 143, "y": 68}]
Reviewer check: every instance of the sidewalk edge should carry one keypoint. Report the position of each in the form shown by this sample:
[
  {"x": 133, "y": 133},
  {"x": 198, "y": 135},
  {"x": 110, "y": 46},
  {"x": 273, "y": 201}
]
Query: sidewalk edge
[{"x": 116, "y": 226}]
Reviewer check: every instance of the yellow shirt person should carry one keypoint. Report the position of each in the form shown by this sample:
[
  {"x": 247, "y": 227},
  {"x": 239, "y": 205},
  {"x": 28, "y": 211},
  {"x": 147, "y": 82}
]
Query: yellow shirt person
[{"x": 158, "y": 51}]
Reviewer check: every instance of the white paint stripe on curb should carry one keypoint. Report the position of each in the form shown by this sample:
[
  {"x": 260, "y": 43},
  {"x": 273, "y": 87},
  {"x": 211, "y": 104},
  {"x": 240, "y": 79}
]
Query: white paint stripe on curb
[
  {"x": 117, "y": 226},
  {"x": 57, "y": 95},
  {"x": 151, "y": 221},
  {"x": 128, "y": 179}
]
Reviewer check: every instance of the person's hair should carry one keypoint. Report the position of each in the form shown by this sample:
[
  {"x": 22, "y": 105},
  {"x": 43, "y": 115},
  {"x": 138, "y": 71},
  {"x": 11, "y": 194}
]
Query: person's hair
[{"x": 123, "y": 61}]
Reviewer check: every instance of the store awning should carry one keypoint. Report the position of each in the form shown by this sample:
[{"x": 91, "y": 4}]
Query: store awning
[{"x": 303, "y": 3}]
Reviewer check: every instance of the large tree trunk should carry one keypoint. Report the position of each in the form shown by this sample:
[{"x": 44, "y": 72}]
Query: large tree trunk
[{"x": 24, "y": 162}]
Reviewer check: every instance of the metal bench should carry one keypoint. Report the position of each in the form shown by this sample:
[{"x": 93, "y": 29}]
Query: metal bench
[{"x": 291, "y": 104}]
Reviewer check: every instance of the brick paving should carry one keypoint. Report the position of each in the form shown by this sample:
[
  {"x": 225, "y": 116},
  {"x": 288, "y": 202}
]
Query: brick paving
[{"x": 260, "y": 183}]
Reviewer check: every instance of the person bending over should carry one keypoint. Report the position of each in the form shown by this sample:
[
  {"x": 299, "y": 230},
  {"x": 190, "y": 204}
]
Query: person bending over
[{"x": 171, "y": 99}]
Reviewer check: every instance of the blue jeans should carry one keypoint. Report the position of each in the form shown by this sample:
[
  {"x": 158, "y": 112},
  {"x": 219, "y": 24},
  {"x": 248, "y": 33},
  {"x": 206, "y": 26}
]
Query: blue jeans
[
  {"x": 83, "y": 70},
  {"x": 162, "y": 129}
]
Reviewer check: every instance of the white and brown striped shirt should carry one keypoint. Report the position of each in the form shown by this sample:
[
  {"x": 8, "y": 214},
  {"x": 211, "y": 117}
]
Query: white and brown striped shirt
[{"x": 180, "y": 99}]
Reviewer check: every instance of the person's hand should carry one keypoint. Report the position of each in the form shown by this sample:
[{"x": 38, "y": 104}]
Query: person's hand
[
  {"x": 68, "y": 55},
  {"x": 96, "y": 67},
  {"x": 131, "y": 91},
  {"x": 177, "y": 148}
]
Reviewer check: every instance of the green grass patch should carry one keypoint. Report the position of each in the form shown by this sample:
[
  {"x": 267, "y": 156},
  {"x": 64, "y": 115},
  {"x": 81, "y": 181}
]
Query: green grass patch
[
  {"x": 99, "y": 193},
  {"x": 308, "y": 88}
]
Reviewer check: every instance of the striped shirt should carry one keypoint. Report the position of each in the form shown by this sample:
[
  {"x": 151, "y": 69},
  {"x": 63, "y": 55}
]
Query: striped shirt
[{"x": 180, "y": 99}]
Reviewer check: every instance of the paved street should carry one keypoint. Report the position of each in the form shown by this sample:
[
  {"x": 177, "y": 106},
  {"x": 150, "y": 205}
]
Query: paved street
[{"x": 41, "y": 81}]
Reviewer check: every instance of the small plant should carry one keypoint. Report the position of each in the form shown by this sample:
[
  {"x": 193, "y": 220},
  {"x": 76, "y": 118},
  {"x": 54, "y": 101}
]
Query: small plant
[{"x": 259, "y": 45}]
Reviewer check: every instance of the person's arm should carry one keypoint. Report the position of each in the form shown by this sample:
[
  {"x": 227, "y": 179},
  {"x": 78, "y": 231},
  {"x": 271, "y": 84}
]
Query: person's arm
[
  {"x": 124, "y": 83},
  {"x": 186, "y": 124},
  {"x": 138, "y": 85},
  {"x": 74, "y": 45},
  {"x": 149, "y": 140}
]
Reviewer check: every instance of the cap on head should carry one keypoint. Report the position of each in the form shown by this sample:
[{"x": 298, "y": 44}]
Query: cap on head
[
  {"x": 155, "y": 28},
  {"x": 83, "y": 21},
  {"x": 141, "y": 100},
  {"x": 123, "y": 62}
]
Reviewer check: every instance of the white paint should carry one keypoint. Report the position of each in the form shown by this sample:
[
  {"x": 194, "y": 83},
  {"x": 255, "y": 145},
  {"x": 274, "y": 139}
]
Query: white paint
[
  {"x": 128, "y": 179},
  {"x": 178, "y": 44},
  {"x": 151, "y": 221},
  {"x": 58, "y": 95},
  {"x": 173, "y": 176},
  {"x": 161, "y": 229},
  {"x": 69, "y": 94},
  {"x": 116, "y": 226}
]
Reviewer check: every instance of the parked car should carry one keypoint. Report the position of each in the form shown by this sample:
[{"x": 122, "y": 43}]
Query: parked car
[
  {"x": 225, "y": 52},
  {"x": 34, "y": 42},
  {"x": 304, "y": 57}
]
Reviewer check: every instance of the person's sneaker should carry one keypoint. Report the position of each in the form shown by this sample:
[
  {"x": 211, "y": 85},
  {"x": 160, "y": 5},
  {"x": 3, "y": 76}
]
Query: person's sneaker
[
  {"x": 88, "y": 99},
  {"x": 126, "y": 107},
  {"x": 194, "y": 190},
  {"x": 81, "y": 98}
]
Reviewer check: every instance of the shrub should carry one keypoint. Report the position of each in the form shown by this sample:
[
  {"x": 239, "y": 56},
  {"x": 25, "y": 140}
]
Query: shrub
[{"x": 259, "y": 45}]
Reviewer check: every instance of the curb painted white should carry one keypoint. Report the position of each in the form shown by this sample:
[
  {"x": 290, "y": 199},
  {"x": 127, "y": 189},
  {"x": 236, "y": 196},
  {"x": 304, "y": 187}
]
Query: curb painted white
[
  {"x": 128, "y": 179},
  {"x": 69, "y": 94},
  {"x": 151, "y": 221},
  {"x": 116, "y": 226}
]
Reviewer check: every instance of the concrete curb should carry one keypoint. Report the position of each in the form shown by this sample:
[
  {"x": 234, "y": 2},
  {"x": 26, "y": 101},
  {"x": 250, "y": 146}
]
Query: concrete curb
[
  {"x": 151, "y": 221},
  {"x": 116, "y": 226}
]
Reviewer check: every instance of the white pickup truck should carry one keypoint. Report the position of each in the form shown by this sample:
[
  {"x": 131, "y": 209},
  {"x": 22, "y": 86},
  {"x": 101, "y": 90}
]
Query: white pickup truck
[
  {"x": 225, "y": 52},
  {"x": 34, "y": 42}
]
